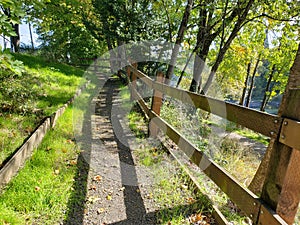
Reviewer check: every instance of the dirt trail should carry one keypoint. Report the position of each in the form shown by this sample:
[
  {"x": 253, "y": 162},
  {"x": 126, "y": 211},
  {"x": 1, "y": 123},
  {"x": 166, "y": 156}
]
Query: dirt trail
[{"x": 114, "y": 193}]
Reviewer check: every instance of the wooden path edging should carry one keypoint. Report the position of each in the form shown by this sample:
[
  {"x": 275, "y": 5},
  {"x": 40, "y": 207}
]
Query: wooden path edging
[{"x": 24, "y": 152}]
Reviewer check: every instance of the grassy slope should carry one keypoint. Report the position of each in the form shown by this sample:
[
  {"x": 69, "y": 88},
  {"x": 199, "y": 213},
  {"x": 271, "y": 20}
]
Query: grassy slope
[
  {"x": 40, "y": 193},
  {"x": 56, "y": 83}
]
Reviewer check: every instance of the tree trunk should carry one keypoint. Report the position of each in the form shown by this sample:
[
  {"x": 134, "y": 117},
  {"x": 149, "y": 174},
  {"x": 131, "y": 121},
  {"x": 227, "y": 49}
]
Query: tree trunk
[
  {"x": 182, "y": 29},
  {"x": 242, "y": 100},
  {"x": 183, "y": 71},
  {"x": 15, "y": 40},
  {"x": 112, "y": 55},
  {"x": 267, "y": 90},
  {"x": 201, "y": 49},
  {"x": 252, "y": 83},
  {"x": 31, "y": 37},
  {"x": 223, "y": 50}
]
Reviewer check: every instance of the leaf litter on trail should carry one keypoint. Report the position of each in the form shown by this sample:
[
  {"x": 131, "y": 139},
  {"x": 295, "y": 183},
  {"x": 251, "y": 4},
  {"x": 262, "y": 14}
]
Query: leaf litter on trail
[
  {"x": 199, "y": 219},
  {"x": 93, "y": 199},
  {"x": 97, "y": 178}
]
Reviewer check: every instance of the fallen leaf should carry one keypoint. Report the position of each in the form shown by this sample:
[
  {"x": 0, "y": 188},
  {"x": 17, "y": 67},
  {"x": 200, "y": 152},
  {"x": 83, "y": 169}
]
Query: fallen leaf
[
  {"x": 37, "y": 188},
  {"x": 73, "y": 162},
  {"x": 56, "y": 172},
  {"x": 93, "y": 199},
  {"x": 190, "y": 200},
  {"x": 64, "y": 150},
  {"x": 93, "y": 187},
  {"x": 97, "y": 178},
  {"x": 70, "y": 141},
  {"x": 198, "y": 218},
  {"x": 100, "y": 210},
  {"x": 108, "y": 197}
]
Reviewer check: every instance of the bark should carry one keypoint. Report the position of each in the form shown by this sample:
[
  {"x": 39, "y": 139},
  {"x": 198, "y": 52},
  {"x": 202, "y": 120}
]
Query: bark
[
  {"x": 15, "y": 40},
  {"x": 201, "y": 49},
  {"x": 223, "y": 50},
  {"x": 205, "y": 37},
  {"x": 169, "y": 21},
  {"x": 31, "y": 38},
  {"x": 242, "y": 100},
  {"x": 267, "y": 90},
  {"x": 179, "y": 39},
  {"x": 183, "y": 71},
  {"x": 252, "y": 83},
  {"x": 112, "y": 55}
]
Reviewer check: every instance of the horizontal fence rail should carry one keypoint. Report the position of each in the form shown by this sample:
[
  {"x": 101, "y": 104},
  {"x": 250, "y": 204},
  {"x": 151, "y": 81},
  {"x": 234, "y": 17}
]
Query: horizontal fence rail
[{"x": 268, "y": 125}]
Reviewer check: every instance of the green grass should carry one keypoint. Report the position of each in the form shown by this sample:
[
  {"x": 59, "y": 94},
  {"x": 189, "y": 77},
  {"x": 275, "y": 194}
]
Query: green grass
[
  {"x": 172, "y": 191},
  {"x": 53, "y": 84},
  {"x": 40, "y": 192},
  {"x": 253, "y": 135}
]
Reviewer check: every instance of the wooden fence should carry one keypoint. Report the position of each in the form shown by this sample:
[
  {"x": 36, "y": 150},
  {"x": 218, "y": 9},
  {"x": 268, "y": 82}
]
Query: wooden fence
[
  {"x": 18, "y": 159},
  {"x": 284, "y": 132}
]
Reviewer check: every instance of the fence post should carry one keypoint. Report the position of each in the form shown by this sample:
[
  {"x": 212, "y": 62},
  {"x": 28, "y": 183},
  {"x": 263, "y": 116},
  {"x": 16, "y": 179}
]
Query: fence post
[
  {"x": 281, "y": 189},
  {"x": 133, "y": 79},
  {"x": 156, "y": 105}
]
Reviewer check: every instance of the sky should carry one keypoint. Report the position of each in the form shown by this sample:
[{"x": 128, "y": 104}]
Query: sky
[{"x": 25, "y": 37}]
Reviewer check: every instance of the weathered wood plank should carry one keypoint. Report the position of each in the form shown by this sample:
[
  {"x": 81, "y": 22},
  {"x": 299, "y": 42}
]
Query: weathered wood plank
[
  {"x": 11, "y": 168},
  {"x": 264, "y": 123},
  {"x": 156, "y": 105},
  {"x": 269, "y": 217},
  {"x": 282, "y": 184},
  {"x": 245, "y": 199},
  {"x": 216, "y": 213}
]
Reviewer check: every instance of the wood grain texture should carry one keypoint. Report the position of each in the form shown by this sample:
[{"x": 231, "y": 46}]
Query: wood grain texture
[
  {"x": 16, "y": 162},
  {"x": 156, "y": 105},
  {"x": 282, "y": 184},
  {"x": 269, "y": 217}
]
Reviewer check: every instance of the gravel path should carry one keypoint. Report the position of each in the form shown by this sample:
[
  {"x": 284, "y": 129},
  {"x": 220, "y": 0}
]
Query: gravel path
[
  {"x": 110, "y": 188},
  {"x": 114, "y": 193}
]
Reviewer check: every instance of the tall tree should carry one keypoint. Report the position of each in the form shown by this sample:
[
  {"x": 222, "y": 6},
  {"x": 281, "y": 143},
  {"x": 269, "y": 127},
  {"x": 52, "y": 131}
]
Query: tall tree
[{"x": 179, "y": 38}]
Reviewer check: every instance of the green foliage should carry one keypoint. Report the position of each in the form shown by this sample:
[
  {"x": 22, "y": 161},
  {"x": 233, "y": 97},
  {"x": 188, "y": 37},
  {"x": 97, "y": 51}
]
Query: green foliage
[
  {"x": 16, "y": 91},
  {"x": 64, "y": 35},
  {"x": 11, "y": 12}
]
